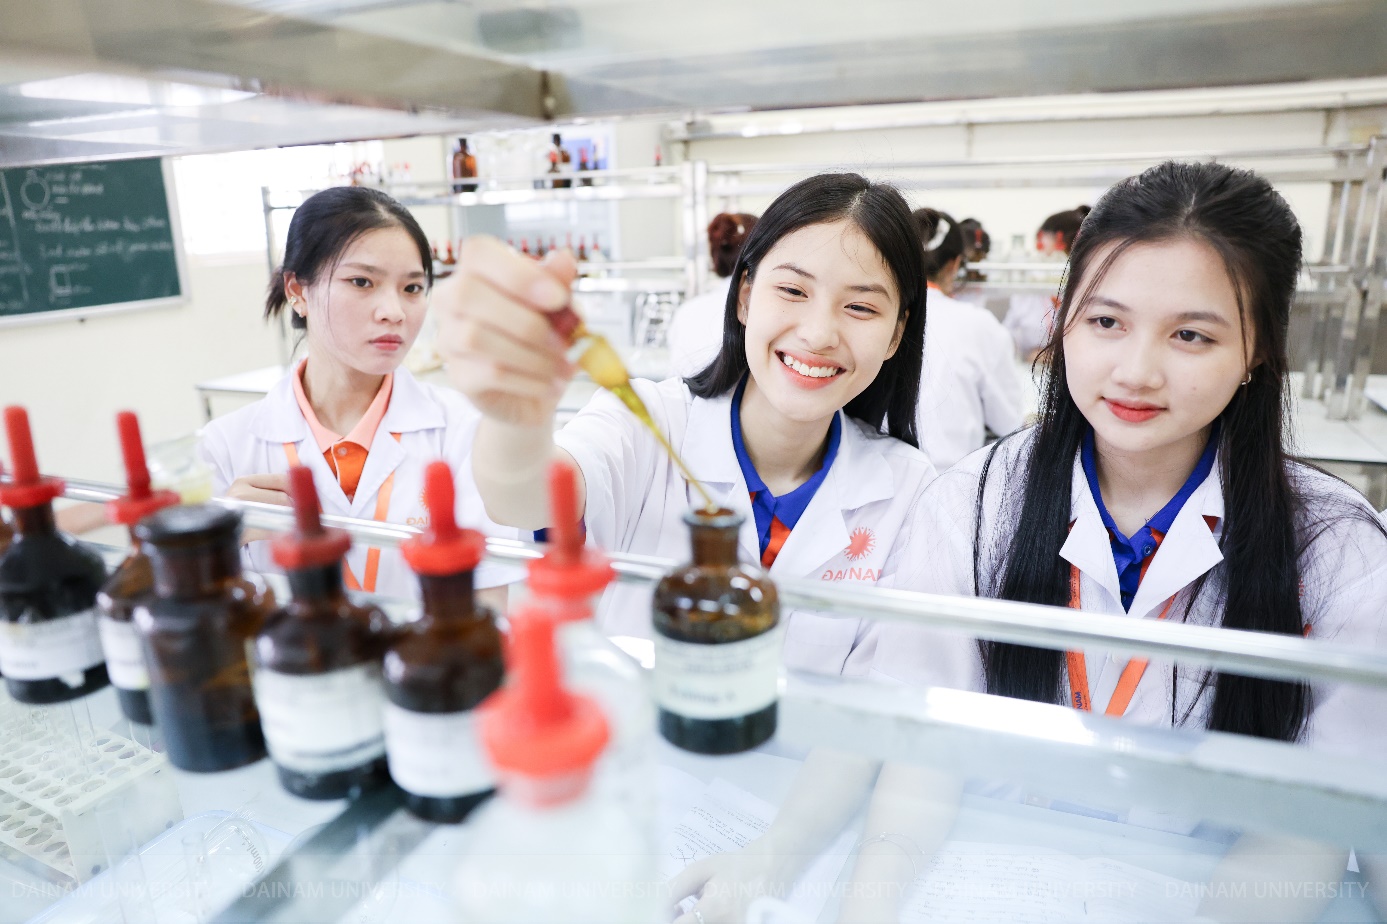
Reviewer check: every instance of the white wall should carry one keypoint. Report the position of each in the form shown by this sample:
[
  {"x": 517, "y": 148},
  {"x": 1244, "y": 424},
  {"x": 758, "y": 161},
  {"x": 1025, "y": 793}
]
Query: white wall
[{"x": 74, "y": 376}]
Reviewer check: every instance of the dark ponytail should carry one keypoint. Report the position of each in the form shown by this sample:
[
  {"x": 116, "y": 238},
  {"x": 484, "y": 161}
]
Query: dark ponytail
[
  {"x": 1267, "y": 525},
  {"x": 324, "y": 226},
  {"x": 940, "y": 230}
]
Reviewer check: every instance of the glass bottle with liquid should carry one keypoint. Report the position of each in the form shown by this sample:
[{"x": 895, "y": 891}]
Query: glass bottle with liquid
[
  {"x": 194, "y": 634},
  {"x": 717, "y": 644},
  {"x": 132, "y": 583},
  {"x": 50, "y": 650},
  {"x": 317, "y": 678},
  {"x": 441, "y": 667},
  {"x": 551, "y": 846}
]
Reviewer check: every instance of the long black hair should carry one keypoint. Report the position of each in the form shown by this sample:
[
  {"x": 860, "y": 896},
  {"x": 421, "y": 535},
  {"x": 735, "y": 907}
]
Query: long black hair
[
  {"x": 879, "y": 211},
  {"x": 1266, "y": 526},
  {"x": 325, "y": 225}
]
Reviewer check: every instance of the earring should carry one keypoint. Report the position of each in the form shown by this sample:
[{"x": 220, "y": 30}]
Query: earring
[
  {"x": 293, "y": 305},
  {"x": 1249, "y": 377}
]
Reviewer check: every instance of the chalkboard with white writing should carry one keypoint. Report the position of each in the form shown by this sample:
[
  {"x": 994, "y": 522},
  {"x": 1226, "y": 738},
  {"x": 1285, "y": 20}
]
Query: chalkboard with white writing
[{"x": 86, "y": 236}]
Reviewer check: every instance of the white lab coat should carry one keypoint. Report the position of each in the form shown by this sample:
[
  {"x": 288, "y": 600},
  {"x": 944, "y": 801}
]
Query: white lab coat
[
  {"x": 636, "y": 501},
  {"x": 1344, "y": 597},
  {"x": 1030, "y": 319},
  {"x": 695, "y": 334},
  {"x": 433, "y": 424},
  {"x": 970, "y": 383}
]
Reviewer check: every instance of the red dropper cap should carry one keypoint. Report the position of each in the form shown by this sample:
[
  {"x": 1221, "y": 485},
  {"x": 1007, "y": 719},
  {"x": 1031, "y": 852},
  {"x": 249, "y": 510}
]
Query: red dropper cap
[
  {"x": 542, "y": 739},
  {"x": 444, "y": 549},
  {"x": 27, "y": 488},
  {"x": 569, "y": 570},
  {"x": 140, "y": 502},
  {"x": 309, "y": 545}
]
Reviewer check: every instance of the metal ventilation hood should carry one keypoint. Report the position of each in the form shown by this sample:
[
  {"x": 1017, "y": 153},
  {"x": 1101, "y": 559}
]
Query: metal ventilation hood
[{"x": 91, "y": 79}]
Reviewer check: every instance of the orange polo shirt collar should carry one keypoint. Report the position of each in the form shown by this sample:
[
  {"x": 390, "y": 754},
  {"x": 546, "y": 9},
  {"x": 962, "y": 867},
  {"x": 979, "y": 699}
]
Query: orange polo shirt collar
[{"x": 345, "y": 455}]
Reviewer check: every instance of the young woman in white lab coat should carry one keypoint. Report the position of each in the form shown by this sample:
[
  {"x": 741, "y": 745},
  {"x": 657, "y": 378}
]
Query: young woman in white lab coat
[
  {"x": 822, "y": 342},
  {"x": 695, "y": 333},
  {"x": 1157, "y": 483},
  {"x": 356, "y": 277},
  {"x": 970, "y": 383}
]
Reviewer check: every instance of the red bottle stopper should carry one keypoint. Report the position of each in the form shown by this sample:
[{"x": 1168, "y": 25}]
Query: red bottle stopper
[
  {"x": 309, "y": 545},
  {"x": 542, "y": 739},
  {"x": 27, "y": 488},
  {"x": 140, "y": 502},
  {"x": 444, "y": 548},
  {"x": 569, "y": 570}
]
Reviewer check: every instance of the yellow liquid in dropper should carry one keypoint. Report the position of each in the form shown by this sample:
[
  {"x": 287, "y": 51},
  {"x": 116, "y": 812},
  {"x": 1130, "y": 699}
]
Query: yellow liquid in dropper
[{"x": 600, "y": 361}]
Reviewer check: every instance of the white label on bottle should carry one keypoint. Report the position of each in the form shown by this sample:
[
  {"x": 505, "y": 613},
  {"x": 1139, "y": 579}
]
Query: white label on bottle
[
  {"x": 61, "y": 648},
  {"x": 321, "y": 723},
  {"x": 724, "y": 681},
  {"x": 436, "y": 754},
  {"x": 124, "y": 656}
]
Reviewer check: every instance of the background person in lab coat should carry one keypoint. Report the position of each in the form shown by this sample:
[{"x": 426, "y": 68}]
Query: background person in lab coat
[
  {"x": 356, "y": 276},
  {"x": 695, "y": 334},
  {"x": 970, "y": 384},
  {"x": 1031, "y": 316},
  {"x": 1157, "y": 483},
  {"x": 822, "y": 341}
]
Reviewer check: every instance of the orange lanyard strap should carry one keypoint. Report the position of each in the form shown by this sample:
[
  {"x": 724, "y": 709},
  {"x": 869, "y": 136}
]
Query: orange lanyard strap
[
  {"x": 1078, "y": 666},
  {"x": 291, "y": 453}
]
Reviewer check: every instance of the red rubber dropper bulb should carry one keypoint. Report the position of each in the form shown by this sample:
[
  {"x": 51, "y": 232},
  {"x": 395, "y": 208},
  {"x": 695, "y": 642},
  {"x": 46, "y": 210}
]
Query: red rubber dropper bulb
[
  {"x": 27, "y": 488},
  {"x": 309, "y": 546},
  {"x": 444, "y": 548},
  {"x": 139, "y": 501},
  {"x": 569, "y": 571}
]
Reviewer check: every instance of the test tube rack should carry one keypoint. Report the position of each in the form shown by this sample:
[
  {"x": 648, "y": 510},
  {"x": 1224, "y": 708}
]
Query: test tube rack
[{"x": 55, "y": 776}]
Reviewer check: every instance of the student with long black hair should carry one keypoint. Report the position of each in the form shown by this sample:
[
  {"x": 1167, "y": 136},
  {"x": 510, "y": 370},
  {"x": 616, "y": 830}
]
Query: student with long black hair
[
  {"x": 1157, "y": 482},
  {"x": 822, "y": 342}
]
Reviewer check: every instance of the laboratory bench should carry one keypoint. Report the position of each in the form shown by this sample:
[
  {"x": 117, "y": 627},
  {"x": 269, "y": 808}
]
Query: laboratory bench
[{"x": 1061, "y": 815}]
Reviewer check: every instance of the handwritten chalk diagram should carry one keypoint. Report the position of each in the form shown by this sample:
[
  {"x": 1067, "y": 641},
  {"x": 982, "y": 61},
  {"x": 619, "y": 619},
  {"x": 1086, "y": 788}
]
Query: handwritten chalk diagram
[
  {"x": 14, "y": 288},
  {"x": 35, "y": 191}
]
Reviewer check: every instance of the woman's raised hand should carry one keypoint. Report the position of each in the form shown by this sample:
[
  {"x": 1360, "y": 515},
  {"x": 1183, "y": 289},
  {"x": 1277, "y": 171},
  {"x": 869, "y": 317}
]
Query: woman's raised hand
[{"x": 494, "y": 334}]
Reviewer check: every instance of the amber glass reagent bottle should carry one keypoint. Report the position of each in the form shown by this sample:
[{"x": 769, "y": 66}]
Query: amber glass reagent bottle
[
  {"x": 717, "y": 644},
  {"x": 132, "y": 583},
  {"x": 440, "y": 668},
  {"x": 49, "y": 647},
  {"x": 194, "y": 634},
  {"x": 317, "y": 678}
]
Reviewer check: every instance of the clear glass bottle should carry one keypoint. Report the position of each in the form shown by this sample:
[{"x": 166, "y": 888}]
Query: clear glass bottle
[
  {"x": 50, "y": 650},
  {"x": 567, "y": 583},
  {"x": 317, "y": 678},
  {"x": 195, "y": 633},
  {"x": 717, "y": 644},
  {"x": 551, "y": 846},
  {"x": 132, "y": 583},
  {"x": 440, "y": 668}
]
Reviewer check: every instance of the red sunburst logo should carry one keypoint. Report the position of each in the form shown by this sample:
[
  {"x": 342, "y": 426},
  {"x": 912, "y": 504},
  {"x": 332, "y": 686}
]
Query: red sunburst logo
[{"x": 860, "y": 543}]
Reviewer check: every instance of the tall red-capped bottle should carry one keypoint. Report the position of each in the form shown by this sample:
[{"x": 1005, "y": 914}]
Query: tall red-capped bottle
[
  {"x": 317, "y": 682},
  {"x": 50, "y": 649},
  {"x": 132, "y": 583},
  {"x": 440, "y": 667}
]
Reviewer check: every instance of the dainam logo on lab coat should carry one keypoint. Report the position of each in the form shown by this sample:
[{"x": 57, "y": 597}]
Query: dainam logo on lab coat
[
  {"x": 421, "y": 522},
  {"x": 861, "y": 544}
]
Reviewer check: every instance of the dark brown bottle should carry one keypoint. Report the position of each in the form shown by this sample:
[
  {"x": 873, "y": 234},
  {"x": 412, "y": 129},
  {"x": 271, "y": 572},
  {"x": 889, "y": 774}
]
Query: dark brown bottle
[
  {"x": 440, "y": 668},
  {"x": 317, "y": 678},
  {"x": 717, "y": 644},
  {"x": 194, "y": 634},
  {"x": 132, "y": 583},
  {"x": 49, "y": 647}
]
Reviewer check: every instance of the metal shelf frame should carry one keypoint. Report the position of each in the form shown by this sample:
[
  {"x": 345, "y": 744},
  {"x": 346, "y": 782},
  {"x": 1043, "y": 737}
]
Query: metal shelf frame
[{"x": 1252, "y": 653}]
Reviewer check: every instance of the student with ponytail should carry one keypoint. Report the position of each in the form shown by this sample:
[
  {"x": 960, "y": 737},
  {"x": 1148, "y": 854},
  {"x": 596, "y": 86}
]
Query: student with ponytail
[
  {"x": 1157, "y": 482},
  {"x": 970, "y": 385}
]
